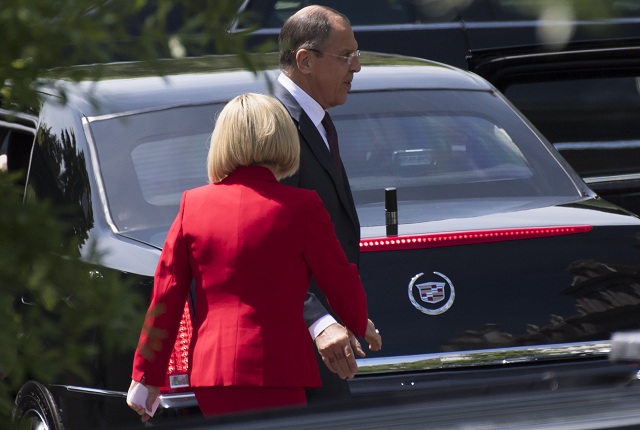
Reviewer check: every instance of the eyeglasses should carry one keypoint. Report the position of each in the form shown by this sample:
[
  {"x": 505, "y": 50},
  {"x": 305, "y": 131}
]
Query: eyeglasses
[{"x": 349, "y": 57}]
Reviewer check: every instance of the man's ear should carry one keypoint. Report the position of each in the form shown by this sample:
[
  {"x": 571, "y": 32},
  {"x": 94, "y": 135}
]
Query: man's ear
[{"x": 304, "y": 61}]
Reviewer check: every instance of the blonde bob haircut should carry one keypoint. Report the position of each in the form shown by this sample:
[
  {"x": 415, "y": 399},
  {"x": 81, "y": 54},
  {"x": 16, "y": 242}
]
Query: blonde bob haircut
[{"x": 253, "y": 129}]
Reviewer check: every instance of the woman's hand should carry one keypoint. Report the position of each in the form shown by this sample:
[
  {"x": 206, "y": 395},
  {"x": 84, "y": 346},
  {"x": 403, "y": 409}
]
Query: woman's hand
[{"x": 153, "y": 394}]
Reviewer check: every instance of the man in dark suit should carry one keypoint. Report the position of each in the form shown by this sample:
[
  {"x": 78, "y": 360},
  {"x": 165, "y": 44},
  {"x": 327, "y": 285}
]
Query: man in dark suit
[{"x": 318, "y": 58}]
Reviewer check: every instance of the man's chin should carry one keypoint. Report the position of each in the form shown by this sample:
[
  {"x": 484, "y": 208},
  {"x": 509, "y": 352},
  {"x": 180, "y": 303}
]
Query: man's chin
[{"x": 341, "y": 100}]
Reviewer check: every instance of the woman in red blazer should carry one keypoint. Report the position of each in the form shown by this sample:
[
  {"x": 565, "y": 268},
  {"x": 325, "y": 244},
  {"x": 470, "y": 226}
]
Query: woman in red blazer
[{"x": 252, "y": 245}]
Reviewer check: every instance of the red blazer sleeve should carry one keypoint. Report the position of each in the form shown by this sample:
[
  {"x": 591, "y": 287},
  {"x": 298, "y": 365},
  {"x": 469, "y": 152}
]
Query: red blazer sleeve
[
  {"x": 172, "y": 281},
  {"x": 335, "y": 276}
]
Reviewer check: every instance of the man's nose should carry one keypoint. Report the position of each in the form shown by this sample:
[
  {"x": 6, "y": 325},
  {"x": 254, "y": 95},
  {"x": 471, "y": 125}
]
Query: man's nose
[{"x": 355, "y": 65}]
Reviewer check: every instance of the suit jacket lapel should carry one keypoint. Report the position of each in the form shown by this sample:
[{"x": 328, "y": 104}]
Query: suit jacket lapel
[
  {"x": 311, "y": 135},
  {"x": 307, "y": 129}
]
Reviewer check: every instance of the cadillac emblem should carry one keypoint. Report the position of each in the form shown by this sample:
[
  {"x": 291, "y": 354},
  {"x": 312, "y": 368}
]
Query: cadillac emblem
[{"x": 435, "y": 297}]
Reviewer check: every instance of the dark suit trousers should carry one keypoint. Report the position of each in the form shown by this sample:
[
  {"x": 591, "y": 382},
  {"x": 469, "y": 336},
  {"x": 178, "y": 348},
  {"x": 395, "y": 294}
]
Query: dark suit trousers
[{"x": 333, "y": 390}]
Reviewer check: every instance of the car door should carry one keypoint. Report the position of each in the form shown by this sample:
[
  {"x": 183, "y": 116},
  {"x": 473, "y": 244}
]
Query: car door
[
  {"x": 17, "y": 134},
  {"x": 585, "y": 99}
]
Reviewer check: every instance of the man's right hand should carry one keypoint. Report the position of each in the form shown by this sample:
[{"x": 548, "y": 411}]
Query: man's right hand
[
  {"x": 373, "y": 337},
  {"x": 335, "y": 349}
]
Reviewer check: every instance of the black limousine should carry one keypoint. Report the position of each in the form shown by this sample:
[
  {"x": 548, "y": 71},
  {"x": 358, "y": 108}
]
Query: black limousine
[{"x": 503, "y": 258}]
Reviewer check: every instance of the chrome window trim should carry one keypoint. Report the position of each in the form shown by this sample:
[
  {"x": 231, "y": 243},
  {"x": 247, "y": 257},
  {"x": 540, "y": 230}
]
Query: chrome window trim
[
  {"x": 25, "y": 117},
  {"x": 612, "y": 178},
  {"x": 95, "y": 391},
  {"x": 20, "y": 127},
  {"x": 167, "y": 401},
  {"x": 116, "y": 115},
  {"x": 178, "y": 400},
  {"x": 93, "y": 155},
  {"x": 486, "y": 357},
  {"x": 616, "y": 144},
  {"x": 455, "y": 25},
  {"x": 422, "y": 362}
]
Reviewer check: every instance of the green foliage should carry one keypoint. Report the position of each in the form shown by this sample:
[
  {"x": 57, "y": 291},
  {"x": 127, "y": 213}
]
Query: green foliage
[
  {"x": 39, "y": 35},
  {"x": 52, "y": 302}
]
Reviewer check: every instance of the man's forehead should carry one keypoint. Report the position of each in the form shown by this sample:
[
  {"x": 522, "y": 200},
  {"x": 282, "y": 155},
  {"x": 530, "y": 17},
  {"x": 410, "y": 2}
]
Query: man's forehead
[{"x": 341, "y": 36}]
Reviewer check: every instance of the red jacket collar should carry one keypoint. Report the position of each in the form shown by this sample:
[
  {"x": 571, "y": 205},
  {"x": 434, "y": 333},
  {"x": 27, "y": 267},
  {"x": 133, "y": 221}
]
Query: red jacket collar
[{"x": 250, "y": 172}]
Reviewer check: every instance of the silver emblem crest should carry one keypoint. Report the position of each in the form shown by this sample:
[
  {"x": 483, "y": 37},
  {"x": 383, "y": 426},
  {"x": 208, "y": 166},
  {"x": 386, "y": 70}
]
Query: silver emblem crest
[{"x": 432, "y": 293}]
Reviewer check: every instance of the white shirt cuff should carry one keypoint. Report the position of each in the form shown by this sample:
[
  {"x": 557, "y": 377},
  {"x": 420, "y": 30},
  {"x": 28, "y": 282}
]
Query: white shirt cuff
[{"x": 318, "y": 327}]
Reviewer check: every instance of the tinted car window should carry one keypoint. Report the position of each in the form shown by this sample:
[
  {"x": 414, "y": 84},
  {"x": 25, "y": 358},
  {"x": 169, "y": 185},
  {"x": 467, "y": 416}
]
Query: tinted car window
[
  {"x": 420, "y": 142},
  {"x": 160, "y": 153}
]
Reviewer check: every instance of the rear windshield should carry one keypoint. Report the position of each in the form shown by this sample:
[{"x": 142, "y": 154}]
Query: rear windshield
[{"x": 432, "y": 146}]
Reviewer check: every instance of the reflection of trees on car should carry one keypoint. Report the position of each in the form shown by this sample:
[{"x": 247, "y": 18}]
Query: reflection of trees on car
[
  {"x": 52, "y": 302},
  {"x": 68, "y": 186},
  {"x": 607, "y": 299}
]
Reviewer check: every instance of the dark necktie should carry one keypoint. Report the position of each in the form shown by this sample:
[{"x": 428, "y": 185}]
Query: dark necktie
[{"x": 332, "y": 139}]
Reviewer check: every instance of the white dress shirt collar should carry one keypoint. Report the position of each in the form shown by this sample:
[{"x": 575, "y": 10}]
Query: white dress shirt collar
[{"x": 311, "y": 107}]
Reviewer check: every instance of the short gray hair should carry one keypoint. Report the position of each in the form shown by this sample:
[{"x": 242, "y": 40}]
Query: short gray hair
[{"x": 309, "y": 28}]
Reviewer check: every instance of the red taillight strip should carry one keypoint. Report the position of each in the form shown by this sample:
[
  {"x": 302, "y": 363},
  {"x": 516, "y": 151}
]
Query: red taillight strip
[
  {"x": 436, "y": 240},
  {"x": 179, "y": 361}
]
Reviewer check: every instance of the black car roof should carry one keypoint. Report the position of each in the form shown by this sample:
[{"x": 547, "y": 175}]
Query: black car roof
[{"x": 128, "y": 87}]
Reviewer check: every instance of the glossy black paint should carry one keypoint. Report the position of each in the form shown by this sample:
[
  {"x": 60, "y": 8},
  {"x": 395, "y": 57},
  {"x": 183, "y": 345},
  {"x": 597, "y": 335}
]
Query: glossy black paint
[
  {"x": 512, "y": 293},
  {"x": 563, "y": 289}
]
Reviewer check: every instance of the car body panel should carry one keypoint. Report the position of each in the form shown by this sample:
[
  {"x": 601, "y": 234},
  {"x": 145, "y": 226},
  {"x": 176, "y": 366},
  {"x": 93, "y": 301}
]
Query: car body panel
[{"x": 565, "y": 286}]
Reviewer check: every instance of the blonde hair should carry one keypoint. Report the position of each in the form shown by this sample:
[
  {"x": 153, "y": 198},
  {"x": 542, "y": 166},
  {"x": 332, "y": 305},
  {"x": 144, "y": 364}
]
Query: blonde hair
[{"x": 253, "y": 129}]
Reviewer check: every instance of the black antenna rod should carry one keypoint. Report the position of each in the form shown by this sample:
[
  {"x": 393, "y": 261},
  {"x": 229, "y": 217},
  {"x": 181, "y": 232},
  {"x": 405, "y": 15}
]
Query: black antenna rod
[{"x": 391, "y": 211}]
